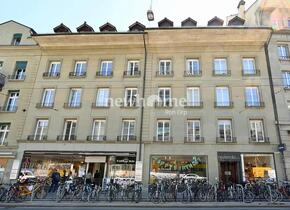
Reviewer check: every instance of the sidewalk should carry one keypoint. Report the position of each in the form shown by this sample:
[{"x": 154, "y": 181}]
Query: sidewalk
[{"x": 143, "y": 204}]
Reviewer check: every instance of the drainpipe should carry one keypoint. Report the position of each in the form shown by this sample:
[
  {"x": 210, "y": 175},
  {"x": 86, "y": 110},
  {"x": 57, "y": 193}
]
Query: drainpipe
[
  {"x": 143, "y": 95},
  {"x": 276, "y": 116}
]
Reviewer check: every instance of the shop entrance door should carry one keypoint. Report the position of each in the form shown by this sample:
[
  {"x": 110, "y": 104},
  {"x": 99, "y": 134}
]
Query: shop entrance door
[
  {"x": 98, "y": 172},
  {"x": 229, "y": 172}
]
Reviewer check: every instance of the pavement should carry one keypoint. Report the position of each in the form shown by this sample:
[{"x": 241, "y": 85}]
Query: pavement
[
  {"x": 137, "y": 208},
  {"x": 142, "y": 205}
]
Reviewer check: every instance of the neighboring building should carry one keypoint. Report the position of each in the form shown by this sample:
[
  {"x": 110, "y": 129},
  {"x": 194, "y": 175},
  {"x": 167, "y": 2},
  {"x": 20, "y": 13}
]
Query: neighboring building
[
  {"x": 19, "y": 61},
  {"x": 275, "y": 14},
  {"x": 224, "y": 126}
]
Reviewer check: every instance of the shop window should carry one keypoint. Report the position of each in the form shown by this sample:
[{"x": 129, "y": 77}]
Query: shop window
[
  {"x": 181, "y": 166},
  {"x": 4, "y": 130},
  {"x": 258, "y": 166}
]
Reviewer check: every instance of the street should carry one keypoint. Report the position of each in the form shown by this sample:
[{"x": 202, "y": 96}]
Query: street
[{"x": 137, "y": 208}]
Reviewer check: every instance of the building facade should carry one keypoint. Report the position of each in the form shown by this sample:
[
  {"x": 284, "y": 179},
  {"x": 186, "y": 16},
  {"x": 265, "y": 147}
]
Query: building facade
[{"x": 189, "y": 101}]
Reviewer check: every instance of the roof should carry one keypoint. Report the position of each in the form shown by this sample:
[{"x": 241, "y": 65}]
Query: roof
[
  {"x": 85, "y": 28},
  {"x": 137, "y": 27},
  {"x": 61, "y": 28},
  {"x": 236, "y": 21},
  {"x": 107, "y": 27},
  {"x": 31, "y": 29},
  {"x": 165, "y": 23},
  {"x": 216, "y": 21},
  {"x": 188, "y": 22}
]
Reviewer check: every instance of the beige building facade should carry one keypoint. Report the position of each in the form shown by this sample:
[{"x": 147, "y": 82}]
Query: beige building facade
[{"x": 208, "y": 108}]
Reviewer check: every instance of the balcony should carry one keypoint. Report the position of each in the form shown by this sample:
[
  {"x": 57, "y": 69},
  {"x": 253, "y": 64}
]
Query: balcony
[
  {"x": 221, "y": 73},
  {"x": 226, "y": 140},
  {"x": 284, "y": 58},
  {"x": 164, "y": 74},
  {"x": 193, "y": 139},
  {"x": 193, "y": 74},
  {"x": 96, "y": 138},
  {"x": 104, "y": 74},
  {"x": 101, "y": 105},
  {"x": 9, "y": 109},
  {"x": 36, "y": 138},
  {"x": 75, "y": 75},
  {"x": 66, "y": 138},
  {"x": 163, "y": 139},
  {"x": 72, "y": 105},
  {"x": 193, "y": 105},
  {"x": 224, "y": 104},
  {"x": 128, "y": 74},
  {"x": 2, "y": 81},
  {"x": 164, "y": 104},
  {"x": 251, "y": 72},
  {"x": 16, "y": 77},
  {"x": 51, "y": 75},
  {"x": 129, "y": 104},
  {"x": 126, "y": 138},
  {"x": 254, "y": 104},
  {"x": 259, "y": 140},
  {"x": 44, "y": 105}
]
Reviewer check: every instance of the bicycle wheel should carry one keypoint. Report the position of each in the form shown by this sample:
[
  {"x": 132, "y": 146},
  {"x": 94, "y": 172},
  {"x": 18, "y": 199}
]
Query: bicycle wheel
[
  {"x": 60, "y": 194},
  {"x": 185, "y": 197},
  {"x": 40, "y": 194},
  {"x": 201, "y": 195},
  {"x": 249, "y": 197}
]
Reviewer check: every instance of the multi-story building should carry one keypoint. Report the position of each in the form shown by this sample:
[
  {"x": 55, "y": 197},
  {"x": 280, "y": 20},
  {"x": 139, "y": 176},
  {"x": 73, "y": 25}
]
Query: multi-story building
[
  {"x": 275, "y": 14},
  {"x": 19, "y": 61},
  {"x": 208, "y": 107}
]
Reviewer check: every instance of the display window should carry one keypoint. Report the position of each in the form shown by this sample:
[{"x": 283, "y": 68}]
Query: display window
[
  {"x": 3, "y": 164},
  {"x": 258, "y": 166},
  {"x": 193, "y": 167}
]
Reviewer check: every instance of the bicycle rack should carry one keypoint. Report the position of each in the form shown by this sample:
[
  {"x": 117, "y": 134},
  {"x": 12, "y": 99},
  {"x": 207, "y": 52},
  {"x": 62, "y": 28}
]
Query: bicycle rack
[{"x": 243, "y": 193}]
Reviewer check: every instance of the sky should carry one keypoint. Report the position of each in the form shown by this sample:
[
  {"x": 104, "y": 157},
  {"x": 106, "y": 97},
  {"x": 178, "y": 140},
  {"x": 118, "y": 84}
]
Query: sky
[{"x": 44, "y": 15}]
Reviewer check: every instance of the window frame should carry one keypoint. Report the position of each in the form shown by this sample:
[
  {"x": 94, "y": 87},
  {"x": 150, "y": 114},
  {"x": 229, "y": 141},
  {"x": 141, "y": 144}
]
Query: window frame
[
  {"x": 193, "y": 102},
  {"x": 132, "y": 100},
  {"x": 163, "y": 121},
  {"x": 223, "y": 123},
  {"x": 99, "y": 136},
  {"x": 281, "y": 52},
  {"x": 255, "y": 138},
  {"x": 246, "y": 64},
  {"x": 163, "y": 101},
  {"x": 133, "y": 71},
  {"x": 126, "y": 136},
  {"x": 165, "y": 73},
  {"x": 56, "y": 70},
  {"x": 5, "y": 132},
  {"x": 15, "y": 99},
  {"x": 43, "y": 132},
  {"x": 72, "y": 99},
  {"x": 73, "y": 122},
  {"x": 221, "y": 71},
  {"x": 222, "y": 102},
  {"x": 51, "y": 97},
  {"x": 16, "y": 39},
  {"x": 83, "y": 67},
  {"x": 192, "y": 71},
  {"x": 106, "y": 72},
  {"x": 253, "y": 103},
  {"x": 103, "y": 102},
  {"x": 195, "y": 137},
  {"x": 286, "y": 79}
]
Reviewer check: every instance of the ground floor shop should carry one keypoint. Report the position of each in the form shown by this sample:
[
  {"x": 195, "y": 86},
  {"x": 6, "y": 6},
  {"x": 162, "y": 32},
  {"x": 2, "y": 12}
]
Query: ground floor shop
[{"x": 6, "y": 161}]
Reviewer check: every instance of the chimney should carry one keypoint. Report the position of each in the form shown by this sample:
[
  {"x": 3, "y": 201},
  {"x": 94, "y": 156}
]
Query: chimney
[{"x": 241, "y": 8}]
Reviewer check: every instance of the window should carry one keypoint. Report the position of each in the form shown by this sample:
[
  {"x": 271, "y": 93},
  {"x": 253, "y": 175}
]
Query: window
[
  {"x": 220, "y": 66},
  {"x": 20, "y": 70},
  {"x": 80, "y": 68},
  {"x": 164, "y": 67},
  {"x": 286, "y": 79},
  {"x": 222, "y": 96},
  {"x": 75, "y": 97},
  {"x": 257, "y": 131},
  {"x": 193, "y": 130},
  {"x": 4, "y": 130},
  {"x": 98, "y": 133},
  {"x": 128, "y": 130},
  {"x": 54, "y": 69},
  {"x": 106, "y": 68},
  {"x": 163, "y": 130},
  {"x": 252, "y": 97},
  {"x": 41, "y": 129},
  {"x": 69, "y": 132},
  {"x": 48, "y": 98},
  {"x": 164, "y": 97},
  {"x": 192, "y": 67},
  {"x": 131, "y": 97},
  {"x": 12, "y": 101},
  {"x": 16, "y": 39},
  {"x": 249, "y": 66},
  {"x": 225, "y": 130},
  {"x": 193, "y": 96},
  {"x": 283, "y": 52},
  {"x": 133, "y": 68},
  {"x": 103, "y": 97}
]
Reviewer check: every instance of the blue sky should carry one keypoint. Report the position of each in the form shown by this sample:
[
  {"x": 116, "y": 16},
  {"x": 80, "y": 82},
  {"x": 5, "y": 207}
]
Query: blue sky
[{"x": 44, "y": 15}]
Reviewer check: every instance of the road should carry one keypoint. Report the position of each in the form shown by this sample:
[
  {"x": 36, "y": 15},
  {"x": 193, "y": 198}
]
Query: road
[{"x": 136, "y": 208}]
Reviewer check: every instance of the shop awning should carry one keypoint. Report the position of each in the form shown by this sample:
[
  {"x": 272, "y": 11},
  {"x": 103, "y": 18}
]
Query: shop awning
[{"x": 7, "y": 154}]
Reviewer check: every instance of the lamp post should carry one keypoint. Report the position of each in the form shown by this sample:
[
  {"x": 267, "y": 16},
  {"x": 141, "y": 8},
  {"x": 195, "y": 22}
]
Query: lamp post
[{"x": 150, "y": 14}]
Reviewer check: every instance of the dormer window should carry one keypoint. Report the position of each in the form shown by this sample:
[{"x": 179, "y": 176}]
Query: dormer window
[
  {"x": 189, "y": 22},
  {"x": 85, "y": 28},
  {"x": 16, "y": 39},
  {"x": 165, "y": 23},
  {"x": 215, "y": 22},
  {"x": 107, "y": 27},
  {"x": 137, "y": 27},
  {"x": 236, "y": 21},
  {"x": 62, "y": 29}
]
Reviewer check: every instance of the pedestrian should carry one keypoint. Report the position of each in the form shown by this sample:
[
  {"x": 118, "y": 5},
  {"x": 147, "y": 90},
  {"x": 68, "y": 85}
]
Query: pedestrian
[
  {"x": 55, "y": 176},
  {"x": 97, "y": 178}
]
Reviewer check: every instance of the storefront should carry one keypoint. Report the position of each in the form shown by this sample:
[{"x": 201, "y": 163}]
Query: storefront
[
  {"x": 258, "y": 166},
  {"x": 238, "y": 167},
  {"x": 80, "y": 164},
  {"x": 178, "y": 166},
  {"x": 6, "y": 159}
]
